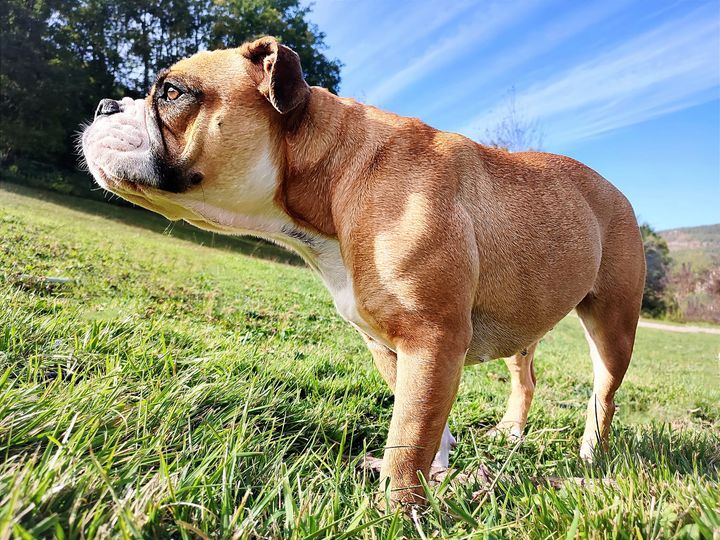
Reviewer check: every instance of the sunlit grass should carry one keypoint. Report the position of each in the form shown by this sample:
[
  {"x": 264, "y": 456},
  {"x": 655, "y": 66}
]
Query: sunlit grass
[{"x": 177, "y": 390}]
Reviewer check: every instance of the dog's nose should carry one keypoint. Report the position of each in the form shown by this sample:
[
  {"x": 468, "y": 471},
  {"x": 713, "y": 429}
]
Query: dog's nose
[{"x": 106, "y": 107}]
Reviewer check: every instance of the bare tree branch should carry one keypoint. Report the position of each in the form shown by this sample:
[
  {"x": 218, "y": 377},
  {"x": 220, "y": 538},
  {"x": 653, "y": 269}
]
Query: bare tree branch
[{"x": 514, "y": 132}]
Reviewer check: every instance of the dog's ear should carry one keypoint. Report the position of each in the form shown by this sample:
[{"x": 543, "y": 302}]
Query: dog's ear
[{"x": 278, "y": 73}]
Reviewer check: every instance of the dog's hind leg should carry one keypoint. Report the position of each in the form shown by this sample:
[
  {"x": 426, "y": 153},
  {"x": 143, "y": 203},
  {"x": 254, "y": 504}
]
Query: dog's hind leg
[
  {"x": 610, "y": 350},
  {"x": 522, "y": 388},
  {"x": 609, "y": 316},
  {"x": 386, "y": 362}
]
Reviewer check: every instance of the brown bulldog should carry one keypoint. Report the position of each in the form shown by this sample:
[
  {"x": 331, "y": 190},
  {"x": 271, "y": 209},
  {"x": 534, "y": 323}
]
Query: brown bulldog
[{"x": 440, "y": 251}]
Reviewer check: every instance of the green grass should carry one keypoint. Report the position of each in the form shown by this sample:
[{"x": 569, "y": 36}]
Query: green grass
[{"x": 180, "y": 390}]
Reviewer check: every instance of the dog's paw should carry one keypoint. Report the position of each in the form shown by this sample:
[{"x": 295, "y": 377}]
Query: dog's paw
[
  {"x": 438, "y": 465},
  {"x": 511, "y": 432},
  {"x": 370, "y": 464},
  {"x": 587, "y": 452}
]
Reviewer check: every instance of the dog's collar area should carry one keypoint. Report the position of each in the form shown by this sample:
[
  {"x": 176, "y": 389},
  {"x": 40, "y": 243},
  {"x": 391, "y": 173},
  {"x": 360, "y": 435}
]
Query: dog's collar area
[{"x": 302, "y": 236}]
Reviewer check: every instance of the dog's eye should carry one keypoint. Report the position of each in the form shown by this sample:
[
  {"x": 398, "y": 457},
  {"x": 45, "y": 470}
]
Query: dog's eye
[{"x": 172, "y": 93}]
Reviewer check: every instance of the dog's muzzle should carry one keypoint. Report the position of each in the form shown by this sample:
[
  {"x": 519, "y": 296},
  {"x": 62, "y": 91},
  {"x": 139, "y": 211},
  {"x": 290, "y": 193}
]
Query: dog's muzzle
[{"x": 106, "y": 107}]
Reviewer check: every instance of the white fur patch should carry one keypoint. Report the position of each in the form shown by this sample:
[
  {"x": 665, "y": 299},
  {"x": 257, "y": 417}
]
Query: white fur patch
[
  {"x": 328, "y": 262},
  {"x": 595, "y": 414},
  {"x": 447, "y": 443}
]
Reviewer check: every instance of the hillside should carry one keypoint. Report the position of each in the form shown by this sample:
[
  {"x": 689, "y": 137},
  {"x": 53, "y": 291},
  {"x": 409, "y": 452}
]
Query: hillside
[
  {"x": 169, "y": 389},
  {"x": 694, "y": 280},
  {"x": 698, "y": 246}
]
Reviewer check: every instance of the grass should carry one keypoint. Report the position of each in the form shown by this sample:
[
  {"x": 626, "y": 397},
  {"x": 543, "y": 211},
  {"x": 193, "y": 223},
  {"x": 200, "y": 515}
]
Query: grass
[{"x": 180, "y": 390}]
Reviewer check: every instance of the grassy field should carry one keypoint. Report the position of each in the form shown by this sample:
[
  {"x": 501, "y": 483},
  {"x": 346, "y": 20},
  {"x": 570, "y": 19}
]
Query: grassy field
[{"x": 180, "y": 390}]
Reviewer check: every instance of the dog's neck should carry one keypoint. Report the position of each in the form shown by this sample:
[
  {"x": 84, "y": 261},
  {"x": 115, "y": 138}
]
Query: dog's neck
[{"x": 316, "y": 147}]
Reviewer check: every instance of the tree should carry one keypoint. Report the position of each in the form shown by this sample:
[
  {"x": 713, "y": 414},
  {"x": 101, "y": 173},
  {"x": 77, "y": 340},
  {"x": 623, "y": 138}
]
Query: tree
[
  {"x": 656, "y": 300},
  {"x": 514, "y": 132},
  {"x": 58, "y": 58},
  {"x": 25, "y": 74},
  {"x": 153, "y": 34},
  {"x": 157, "y": 33},
  {"x": 237, "y": 21}
]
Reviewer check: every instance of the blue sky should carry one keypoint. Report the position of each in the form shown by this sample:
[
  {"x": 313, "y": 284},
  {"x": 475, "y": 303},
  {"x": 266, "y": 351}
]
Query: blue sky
[{"x": 631, "y": 88}]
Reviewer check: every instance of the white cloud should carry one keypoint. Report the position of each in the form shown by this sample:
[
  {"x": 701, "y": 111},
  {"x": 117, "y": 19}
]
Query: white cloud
[
  {"x": 398, "y": 32},
  {"x": 482, "y": 27},
  {"x": 536, "y": 43},
  {"x": 668, "y": 68}
]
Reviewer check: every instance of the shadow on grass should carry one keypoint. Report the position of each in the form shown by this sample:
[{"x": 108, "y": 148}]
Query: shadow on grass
[{"x": 139, "y": 217}]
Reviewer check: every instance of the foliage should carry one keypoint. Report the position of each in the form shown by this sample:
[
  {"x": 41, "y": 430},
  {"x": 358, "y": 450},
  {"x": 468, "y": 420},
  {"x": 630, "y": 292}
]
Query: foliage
[
  {"x": 46, "y": 91},
  {"x": 178, "y": 390},
  {"x": 59, "y": 58},
  {"x": 657, "y": 300},
  {"x": 238, "y": 21},
  {"x": 157, "y": 33},
  {"x": 695, "y": 271}
]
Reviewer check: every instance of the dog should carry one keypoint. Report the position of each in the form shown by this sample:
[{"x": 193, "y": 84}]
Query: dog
[{"x": 441, "y": 252}]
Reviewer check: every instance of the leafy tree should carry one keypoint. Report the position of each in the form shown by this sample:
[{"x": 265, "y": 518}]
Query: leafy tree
[
  {"x": 56, "y": 63},
  {"x": 155, "y": 34},
  {"x": 656, "y": 300},
  {"x": 237, "y": 21},
  {"x": 58, "y": 58},
  {"x": 27, "y": 78},
  {"x": 136, "y": 38}
]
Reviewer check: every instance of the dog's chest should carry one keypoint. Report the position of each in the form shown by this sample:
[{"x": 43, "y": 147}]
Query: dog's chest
[{"x": 323, "y": 255}]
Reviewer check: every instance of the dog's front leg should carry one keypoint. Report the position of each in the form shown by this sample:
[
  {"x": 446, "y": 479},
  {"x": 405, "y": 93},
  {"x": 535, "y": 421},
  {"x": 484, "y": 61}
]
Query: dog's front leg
[
  {"x": 522, "y": 388},
  {"x": 386, "y": 362},
  {"x": 426, "y": 384}
]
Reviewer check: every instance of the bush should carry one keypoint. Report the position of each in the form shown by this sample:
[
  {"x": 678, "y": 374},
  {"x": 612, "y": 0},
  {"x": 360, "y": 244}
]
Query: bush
[{"x": 657, "y": 300}]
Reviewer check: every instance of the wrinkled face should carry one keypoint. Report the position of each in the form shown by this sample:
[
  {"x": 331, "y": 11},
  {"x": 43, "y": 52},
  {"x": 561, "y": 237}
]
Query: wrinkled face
[{"x": 200, "y": 146}]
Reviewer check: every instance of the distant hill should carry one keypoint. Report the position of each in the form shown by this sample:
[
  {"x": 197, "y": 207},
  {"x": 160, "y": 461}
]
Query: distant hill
[
  {"x": 698, "y": 246},
  {"x": 694, "y": 279}
]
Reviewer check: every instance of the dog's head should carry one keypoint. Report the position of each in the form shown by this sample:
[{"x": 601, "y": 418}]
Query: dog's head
[{"x": 202, "y": 145}]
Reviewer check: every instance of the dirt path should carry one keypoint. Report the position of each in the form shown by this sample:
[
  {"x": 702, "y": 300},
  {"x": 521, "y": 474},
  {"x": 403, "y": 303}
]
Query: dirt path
[{"x": 674, "y": 328}]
